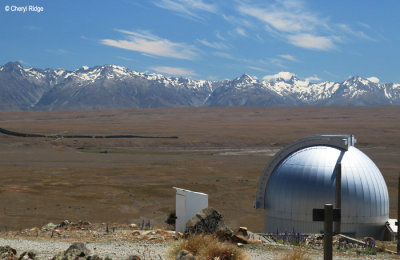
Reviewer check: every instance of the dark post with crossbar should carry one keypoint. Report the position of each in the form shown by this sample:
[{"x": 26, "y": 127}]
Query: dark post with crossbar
[
  {"x": 328, "y": 223},
  {"x": 338, "y": 195},
  {"x": 398, "y": 217}
]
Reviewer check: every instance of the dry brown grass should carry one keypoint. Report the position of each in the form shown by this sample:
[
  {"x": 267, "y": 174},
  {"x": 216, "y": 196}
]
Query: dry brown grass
[
  {"x": 207, "y": 247},
  {"x": 43, "y": 180},
  {"x": 296, "y": 254}
]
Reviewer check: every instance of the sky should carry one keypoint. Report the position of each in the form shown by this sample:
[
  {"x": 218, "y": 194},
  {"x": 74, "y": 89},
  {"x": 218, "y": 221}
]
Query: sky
[{"x": 210, "y": 40}]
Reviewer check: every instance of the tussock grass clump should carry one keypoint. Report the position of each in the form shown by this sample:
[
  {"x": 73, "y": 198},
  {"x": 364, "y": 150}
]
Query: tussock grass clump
[
  {"x": 207, "y": 247},
  {"x": 296, "y": 255}
]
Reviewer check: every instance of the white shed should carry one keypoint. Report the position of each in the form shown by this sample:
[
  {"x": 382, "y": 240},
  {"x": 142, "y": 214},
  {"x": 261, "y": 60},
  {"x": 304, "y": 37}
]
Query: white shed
[{"x": 188, "y": 203}]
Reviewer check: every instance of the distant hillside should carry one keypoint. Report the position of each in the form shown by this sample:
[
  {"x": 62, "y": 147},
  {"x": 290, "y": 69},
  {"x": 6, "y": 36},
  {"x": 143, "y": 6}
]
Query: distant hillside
[{"x": 112, "y": 86}]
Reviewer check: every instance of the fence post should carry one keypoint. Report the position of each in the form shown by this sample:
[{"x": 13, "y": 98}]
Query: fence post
[
  {"x": 338, "y": 195},
  {"x": 328, "y": 223},
  {"x": 398, "y": 217}
]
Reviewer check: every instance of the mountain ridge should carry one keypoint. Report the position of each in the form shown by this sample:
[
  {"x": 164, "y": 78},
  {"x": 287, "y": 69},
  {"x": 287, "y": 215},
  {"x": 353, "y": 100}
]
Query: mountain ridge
[{"x": 113, "y": 86}]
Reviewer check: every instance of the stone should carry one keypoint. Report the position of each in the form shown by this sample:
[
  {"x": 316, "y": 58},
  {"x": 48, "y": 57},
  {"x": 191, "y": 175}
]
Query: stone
[
  {"x": 207, "y": 221},
  {"x": 133, "y": 226},
  {"x": 27, "y": 255},
  {"x": 6, "y": 252},
  {"x": 133, "y": 257},
  {"x": 184, "y": 255},
  {"x": 136, "y": 233},
  {"x": 63, "y": 224},
  {"x": 49, "y": 225},
  {"x": 239, "y": 244},
  {"x": 243, "y": 230},
  {"x": 76, "y": 251},
  {"x": 239, "y": 238}
]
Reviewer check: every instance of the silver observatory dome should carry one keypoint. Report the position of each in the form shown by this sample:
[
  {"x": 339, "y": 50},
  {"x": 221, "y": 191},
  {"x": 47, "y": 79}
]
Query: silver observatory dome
[{"x": 302, "y": 176}]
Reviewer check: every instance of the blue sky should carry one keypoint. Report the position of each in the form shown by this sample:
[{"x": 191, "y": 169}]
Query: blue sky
[{"x": 316, "y": 40}]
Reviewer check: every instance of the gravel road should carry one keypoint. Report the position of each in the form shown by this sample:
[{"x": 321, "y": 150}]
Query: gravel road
[{"x": 150, "y": 251}]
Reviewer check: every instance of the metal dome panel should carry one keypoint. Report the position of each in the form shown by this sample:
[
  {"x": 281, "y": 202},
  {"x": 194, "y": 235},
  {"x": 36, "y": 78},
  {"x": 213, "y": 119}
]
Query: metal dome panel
[{"x": 306, "y": 179}]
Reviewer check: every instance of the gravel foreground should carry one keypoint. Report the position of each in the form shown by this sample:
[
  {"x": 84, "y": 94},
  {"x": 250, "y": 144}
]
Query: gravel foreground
[
  {"x": 153, "y": 251},
  {"x": 114, "y": 250}
]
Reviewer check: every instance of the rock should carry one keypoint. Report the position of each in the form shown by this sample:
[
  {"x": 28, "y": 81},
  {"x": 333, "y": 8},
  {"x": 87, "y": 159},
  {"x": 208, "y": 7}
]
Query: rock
[
  {"x": 133, "y": 257},
  {"x": 136, "y": 233},
  {"x": 184, "y": 255},
  {"x": 243, "y": 230},
  {"x": 6, "y": 252},
  {"x": 239, "y": 238},
  {"x": 207, "y": 221},
  {"x": 27, "y": 255},
  {"x": 63, "y": 224},
  {"x": 133, "y": 226},
  {"x": 239, "y": 244},
  {"x": 49, "y": 225},
  {"x": 94, "y": 257},
  {"x": 76, "y": 251}
]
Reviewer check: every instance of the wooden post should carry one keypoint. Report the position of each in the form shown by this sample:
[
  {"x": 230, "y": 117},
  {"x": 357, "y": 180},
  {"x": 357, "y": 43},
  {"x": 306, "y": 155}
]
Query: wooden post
[
  {"x": 328, "y": 223},
  {"x": 398, "y": 217},
  {"x": 338, "y": 195}
]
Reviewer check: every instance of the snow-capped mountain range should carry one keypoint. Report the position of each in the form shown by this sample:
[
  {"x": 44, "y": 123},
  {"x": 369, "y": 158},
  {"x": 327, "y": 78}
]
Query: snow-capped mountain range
[{"x": 112, "y": 86}]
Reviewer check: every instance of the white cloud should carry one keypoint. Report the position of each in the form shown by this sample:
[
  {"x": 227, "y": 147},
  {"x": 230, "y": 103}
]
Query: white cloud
[
  {"x": 313, "y": 78},
  {"x": 224, "y": 55},
  {"x": 230, "y": 57},
  {"x": 373, "y": 79},
  {"x": 174, "y": 71},
  {"x": 360, "y": 34},
  {"x": 309, "y": 41},
  {"x": 59, "y": 51},
  {"x": 149, "y": 44},
  {"x": 235, "y": 20},
  {"x": 277, "y": 62},
  {"x": 257, "y": 68},
  {"x": 281, "y": 75},
  {"x": 219, "y": 36},
  {"x": 295, "y": 23},
  {"x": 125, "y": 58},
  {"x": 288, "y": 20},
  {"x": 241, "y": 32},
  {"x": 187, "y": 8},
  {"x": 215, "y": 45},
  {"x": 288, "y": 57}
]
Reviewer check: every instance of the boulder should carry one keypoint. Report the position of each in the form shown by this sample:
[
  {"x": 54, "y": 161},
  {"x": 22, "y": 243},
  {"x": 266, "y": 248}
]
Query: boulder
[
  {"x": 49, "y": 225},
  {"x": 184, "y": 255},
  {"x": 63, "y": 224},
  {"x": 27, "y": 255},
  {"x": 77, "y": 251},
  {"x": 6, "y": 252},
  {"x": 208, "y": 221},
  {"x": 240, "y": 236}
]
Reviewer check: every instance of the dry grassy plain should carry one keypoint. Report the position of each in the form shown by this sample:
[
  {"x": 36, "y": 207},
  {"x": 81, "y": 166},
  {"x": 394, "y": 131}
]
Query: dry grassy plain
[{"x": 220, "y": 151}]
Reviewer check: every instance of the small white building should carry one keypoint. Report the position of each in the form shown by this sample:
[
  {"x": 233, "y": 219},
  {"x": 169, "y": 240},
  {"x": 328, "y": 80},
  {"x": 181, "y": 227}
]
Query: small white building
[{"x": 188, "y": 203}]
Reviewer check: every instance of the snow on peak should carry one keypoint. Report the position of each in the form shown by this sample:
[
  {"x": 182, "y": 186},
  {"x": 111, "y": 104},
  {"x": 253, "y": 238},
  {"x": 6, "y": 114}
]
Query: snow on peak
[
  {"x": 373, "y": 79},
  {"x": 85, "y": 67},
  {"x": 286, "y": 76},
  {"x": 247, "y": 78}
]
